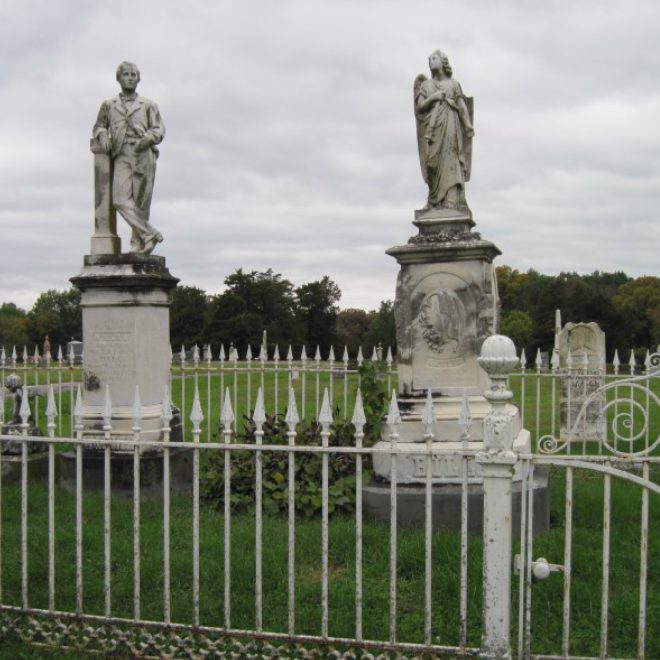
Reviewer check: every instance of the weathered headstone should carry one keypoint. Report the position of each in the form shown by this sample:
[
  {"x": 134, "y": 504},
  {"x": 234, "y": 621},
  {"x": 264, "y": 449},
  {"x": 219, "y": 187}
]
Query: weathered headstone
[{"x": 581, "y": 371}]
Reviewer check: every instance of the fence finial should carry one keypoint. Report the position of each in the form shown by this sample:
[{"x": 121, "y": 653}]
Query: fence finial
[
  {"x": 465, "y": 417},
  {"x": 227, "y": 415},
  {"x": 359, "y": 419},
  {"x": 24, "y": 410},
  {"x": 107, "y": 410},
  {"x": 78, "y": 408},
  {"x": 276, "y": 354},
  {"x": 317, "y": 355},
  {"x": 325, "y": 416},
  {"x": 331, "y": 354},
  {"x": 289, "y": 354},
  {"x": 344, "y": 357},
  {"x": 51, "y": 410},
  {"x": 196, "y": 414},
  {"x": 166, "y": 408},
  {"x": 292, "y": 417},
  {"x": 523, "y": 358},
  {"x": 389, "y": 359},
  {"x": 428, "y": 415},
  {"x": 259, "y": 415},
  {"x": 360, "y": 357},
  {"x": 393, "y": 415},
  {"x": 137, "y": 409}
]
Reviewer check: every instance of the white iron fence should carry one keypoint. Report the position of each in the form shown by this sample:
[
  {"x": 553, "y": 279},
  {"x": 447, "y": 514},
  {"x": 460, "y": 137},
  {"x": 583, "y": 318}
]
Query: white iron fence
[{"x": 176, "y": 576}]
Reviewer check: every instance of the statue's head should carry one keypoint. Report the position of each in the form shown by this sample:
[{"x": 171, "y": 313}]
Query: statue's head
[
  {"x": 127, "y": 66},
  {"x": 438, "y": 61}
]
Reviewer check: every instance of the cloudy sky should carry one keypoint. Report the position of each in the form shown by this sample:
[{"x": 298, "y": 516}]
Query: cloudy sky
[{"x": 291, "y": 140}]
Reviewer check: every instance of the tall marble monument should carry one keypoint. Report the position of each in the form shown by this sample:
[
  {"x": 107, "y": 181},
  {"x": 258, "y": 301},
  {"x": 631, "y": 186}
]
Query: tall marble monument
[
  {"x": 446, "y": 302},
  {"x": 125, "y": 296}
]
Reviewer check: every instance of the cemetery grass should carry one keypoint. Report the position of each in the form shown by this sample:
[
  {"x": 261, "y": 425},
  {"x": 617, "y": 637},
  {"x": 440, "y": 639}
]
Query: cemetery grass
[{"x": 546, "y": 600}]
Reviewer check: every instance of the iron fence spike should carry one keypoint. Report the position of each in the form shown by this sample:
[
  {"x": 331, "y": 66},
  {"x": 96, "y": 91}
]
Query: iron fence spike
[
  {"x": 259, "y": 415},
  {"x": 325, "y": 416}
]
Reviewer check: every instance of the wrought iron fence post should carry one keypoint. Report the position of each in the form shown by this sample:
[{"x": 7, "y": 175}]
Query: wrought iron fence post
[{"x": 497, "y": 461}]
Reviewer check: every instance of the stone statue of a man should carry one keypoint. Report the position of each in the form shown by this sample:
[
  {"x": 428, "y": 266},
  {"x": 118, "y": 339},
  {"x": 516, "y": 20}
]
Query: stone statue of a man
[{"x": 128, "y": 128}]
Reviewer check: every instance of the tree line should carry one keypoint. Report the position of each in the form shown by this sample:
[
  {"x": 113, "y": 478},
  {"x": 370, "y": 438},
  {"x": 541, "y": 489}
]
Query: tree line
[{"x": 627, "y": 309}]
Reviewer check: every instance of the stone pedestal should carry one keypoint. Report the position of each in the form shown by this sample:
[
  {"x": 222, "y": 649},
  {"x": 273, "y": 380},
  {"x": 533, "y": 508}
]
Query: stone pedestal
[
  {"x": 125, "y": 309},
  {"x": 446, "y": 304}
]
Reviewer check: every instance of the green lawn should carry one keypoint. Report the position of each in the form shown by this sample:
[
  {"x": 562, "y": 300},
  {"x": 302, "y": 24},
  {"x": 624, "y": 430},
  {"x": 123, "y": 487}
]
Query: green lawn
[{"x": 547, "y": 595}]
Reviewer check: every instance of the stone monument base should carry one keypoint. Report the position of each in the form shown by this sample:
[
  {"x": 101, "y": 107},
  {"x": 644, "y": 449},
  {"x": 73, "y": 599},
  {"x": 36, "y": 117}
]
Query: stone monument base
[
  {"x": 446, "y": 505},
  {"x": 121, "y": 472}
]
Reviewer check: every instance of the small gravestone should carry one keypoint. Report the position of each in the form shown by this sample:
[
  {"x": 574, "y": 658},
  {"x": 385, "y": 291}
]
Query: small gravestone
[{"x": 582, "y": 372}]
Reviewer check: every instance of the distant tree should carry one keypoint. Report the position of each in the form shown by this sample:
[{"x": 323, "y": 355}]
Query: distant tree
[
  {"x": 351, "y": 327},
  {"x": 519, "y": 328},
  {"x": 13, "y": 326},
  {"x": 639, "y": 301},
  {"x": 316, "y": 310},
  {"x": 510, "y": 284},
  {"x": 382, "y": 330},
  {"x": 56, "y": 314},
  {"x": 187, "y": 316},
  {"x": 251, "y": 303}
]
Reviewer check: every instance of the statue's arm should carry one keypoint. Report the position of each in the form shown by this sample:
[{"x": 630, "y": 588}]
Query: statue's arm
[
  {"x": 155, "y": 128},
  {"x": 425, "y": 102},
  {"x": 100, "y": 131}
]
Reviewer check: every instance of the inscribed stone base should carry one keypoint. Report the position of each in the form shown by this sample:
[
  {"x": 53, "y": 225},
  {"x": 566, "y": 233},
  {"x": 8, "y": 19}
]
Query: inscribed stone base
[
  {"x": 121, "y": 472},
  {"x": 125, "y": 310},
  {"x": 446, "y": 505},
  {"x": 446, "y": 461}
]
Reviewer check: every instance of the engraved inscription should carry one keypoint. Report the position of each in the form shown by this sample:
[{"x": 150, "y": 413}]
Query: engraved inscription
[
  {"x": 110, "y": 353},
  {"x": 442, "y": 467}
]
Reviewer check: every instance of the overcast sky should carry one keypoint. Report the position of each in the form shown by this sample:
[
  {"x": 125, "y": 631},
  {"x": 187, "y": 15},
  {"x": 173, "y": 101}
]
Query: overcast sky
[{"x": 291, "y": 139}]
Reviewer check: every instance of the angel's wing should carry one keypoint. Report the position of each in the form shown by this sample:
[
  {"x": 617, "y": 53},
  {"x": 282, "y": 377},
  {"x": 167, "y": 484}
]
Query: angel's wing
[
  {"x": 421, "y": 146},
  {"x": 469, "y": 101}
]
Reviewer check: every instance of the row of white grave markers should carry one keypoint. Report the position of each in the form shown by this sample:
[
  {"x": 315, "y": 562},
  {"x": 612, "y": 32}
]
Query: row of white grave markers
[{"x": 292, "y": 418}]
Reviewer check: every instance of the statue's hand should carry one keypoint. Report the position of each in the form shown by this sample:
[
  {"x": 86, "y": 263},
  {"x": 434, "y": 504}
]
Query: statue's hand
[
  {"x": 469, "y": 132},
  {"x": 104, "y": 141},
  {"x": 143, "y": 144}
]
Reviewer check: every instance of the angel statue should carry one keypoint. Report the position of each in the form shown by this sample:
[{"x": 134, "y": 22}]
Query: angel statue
[{"x": 444, "y": 134}]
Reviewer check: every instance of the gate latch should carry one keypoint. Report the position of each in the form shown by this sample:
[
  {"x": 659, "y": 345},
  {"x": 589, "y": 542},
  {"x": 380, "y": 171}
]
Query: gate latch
[{"x": 541, "y": 568}]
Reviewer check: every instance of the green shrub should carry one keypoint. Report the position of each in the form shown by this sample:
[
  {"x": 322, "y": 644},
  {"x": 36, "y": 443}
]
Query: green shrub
[{"x": 308, "y": 465}]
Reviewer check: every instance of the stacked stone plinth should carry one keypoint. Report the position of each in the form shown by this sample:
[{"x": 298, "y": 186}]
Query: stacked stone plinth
[
  {"x": 125, "y": 310},
  {"x": 446, "y": 306}
]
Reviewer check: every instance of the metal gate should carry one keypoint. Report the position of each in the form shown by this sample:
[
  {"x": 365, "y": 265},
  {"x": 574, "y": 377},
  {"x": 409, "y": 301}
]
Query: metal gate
[{"x": 587, "y": 589}]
